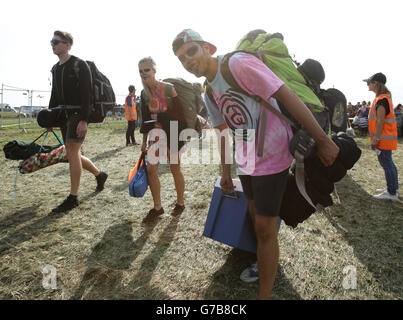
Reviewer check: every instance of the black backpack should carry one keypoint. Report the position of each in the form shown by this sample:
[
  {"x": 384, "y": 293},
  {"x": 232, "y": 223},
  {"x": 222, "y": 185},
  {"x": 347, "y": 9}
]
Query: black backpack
[{"x": 103, "y": 97}]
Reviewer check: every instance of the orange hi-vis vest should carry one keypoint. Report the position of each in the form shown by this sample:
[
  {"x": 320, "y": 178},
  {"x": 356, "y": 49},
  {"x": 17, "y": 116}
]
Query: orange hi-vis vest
[
  {"x": 388, "y": 138},
  {"x": 131, "y": 112}
]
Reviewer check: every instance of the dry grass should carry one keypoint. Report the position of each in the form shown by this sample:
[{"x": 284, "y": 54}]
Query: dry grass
[{"x": 102, "y": 251}]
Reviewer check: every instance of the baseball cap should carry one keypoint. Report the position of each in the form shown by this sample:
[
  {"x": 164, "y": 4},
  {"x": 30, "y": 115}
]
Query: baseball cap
[
  {"x": 380, "y": 77},
  {"x": 189, "y": 35}
]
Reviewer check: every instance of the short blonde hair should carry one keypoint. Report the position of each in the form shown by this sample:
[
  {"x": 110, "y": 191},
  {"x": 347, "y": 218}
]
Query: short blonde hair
[
  {"x": 64, "y": 35},
  {"x": 150, "y": 61}
]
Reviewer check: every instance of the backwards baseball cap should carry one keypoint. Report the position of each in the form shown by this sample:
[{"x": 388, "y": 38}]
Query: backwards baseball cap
[
  {"x": 380, "y": 77},
  {"x": 189, "y": 35}
]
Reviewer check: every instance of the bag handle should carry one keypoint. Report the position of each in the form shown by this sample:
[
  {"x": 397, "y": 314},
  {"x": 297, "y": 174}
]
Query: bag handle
[
  {"x": 57, "y": 137},
  {"x": 233, "y": 195},
  {"x": 142, "y": 159},
  {"x": 46, "y": 133},
  {"x": 43, "y": 141},
  {"x": 39, "y": 136}
]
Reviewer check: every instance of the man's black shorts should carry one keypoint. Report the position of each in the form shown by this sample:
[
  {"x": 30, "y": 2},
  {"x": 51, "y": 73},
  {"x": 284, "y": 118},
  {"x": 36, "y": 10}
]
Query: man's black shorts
[
  {"x": 266, "y": 191},
  {"x": 69, "y": 129}
]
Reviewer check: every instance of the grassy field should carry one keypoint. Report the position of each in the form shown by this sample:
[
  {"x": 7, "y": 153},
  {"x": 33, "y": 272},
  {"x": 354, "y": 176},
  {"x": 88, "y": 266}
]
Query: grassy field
[{"x": 101, "y": 250}]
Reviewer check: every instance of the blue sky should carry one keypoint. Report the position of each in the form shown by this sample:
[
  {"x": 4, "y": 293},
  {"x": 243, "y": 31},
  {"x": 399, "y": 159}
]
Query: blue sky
[{"x": 352, "y": 39}]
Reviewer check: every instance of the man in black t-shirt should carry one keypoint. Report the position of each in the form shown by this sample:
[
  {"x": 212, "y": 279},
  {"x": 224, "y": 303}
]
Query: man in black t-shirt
[{"x": 71, "y": 87}]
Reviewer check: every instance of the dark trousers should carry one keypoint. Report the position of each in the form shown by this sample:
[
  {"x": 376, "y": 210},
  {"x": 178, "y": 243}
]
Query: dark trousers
[{"x": 131, "y": 126}]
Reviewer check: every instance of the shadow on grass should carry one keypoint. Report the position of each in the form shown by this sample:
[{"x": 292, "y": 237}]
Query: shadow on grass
[
  {"x": 140, "y": 288},
  {"x": 119, "y": 130},
  {"x": 27, "y": 232},
  {"x": 19, "y": 217},
  {"x": 107, "y": 154},
  {"x": 227, "y": 285},
  {"x": 114, "y": 254},
  {"x": 373, "y": 229},
  {"x": 104, "y": 155},
  {"x": 122, "y": 187},
  {"x": 32, "y": 230}
]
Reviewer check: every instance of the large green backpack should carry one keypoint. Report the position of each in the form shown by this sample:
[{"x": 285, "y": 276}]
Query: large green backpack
[{"x": 271, "y": 49}]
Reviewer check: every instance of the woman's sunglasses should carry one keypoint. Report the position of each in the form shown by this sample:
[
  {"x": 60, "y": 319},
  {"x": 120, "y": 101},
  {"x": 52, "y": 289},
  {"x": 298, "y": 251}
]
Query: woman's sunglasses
[
  {"x": 56, "y": 42},
  {"x": 144, "y": 71},
  {"x": 190, "y": 53}
]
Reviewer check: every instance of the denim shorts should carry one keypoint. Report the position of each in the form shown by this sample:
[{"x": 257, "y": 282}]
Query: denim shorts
[
  {"x": 266, "y": 191},
  {"x": 69, "y": 129}
]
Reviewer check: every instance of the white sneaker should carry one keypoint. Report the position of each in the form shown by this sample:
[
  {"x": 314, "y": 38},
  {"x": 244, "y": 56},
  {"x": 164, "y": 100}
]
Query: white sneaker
[
  {"x": 386, "y": 190},
  {"x": 386, "y": 195},
  {"x": 250, "y": 274}
]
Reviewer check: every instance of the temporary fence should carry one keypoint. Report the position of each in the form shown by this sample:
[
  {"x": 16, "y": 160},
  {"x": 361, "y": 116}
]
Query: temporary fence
[{"x": 19, "y": 114}]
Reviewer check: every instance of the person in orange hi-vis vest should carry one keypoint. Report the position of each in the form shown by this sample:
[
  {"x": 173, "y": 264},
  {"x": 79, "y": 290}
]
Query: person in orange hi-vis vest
[
  {"x": 131, "y": 116},
  {"x": 383, "y": 133}
]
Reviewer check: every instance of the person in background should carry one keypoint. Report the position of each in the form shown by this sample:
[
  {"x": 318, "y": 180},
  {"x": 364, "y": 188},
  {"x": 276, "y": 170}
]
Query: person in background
[
  {"x": 350, "y": 110},
  {"x": 383, "y": 133},
  {"x": 399, "y": 119},
  {"x": 357, "y": 108},
  {"x": 68, "y": 90},
  {"x": 131, "y": 116},
  {"x": 156, "y": 98},
  {"x": 138, "y": 109},
  {"x": 362, "y": 119}
]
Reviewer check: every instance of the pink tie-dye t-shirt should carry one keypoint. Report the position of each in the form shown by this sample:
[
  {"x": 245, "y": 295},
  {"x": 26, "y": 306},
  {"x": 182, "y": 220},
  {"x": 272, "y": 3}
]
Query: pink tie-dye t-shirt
[{"x": 244, "y": 116}]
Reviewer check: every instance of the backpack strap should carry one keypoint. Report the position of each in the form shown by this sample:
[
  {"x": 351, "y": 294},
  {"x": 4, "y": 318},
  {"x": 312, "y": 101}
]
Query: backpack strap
[
  {"x": 209, "y": 93},
  {"x": 229, "y": 78},
  {"x": 54, "y": 82},
  {"x": 168, "y": 90},
  {"x": 76, "y": 69}
]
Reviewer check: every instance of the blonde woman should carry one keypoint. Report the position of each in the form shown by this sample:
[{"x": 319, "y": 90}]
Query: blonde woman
[
  {"x": 160, "y": 105},
  {"x": 383, "y": 132}
]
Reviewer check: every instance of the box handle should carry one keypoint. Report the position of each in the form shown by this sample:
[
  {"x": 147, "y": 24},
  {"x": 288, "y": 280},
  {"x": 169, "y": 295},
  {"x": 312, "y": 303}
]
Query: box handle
[{"x": 233, "y": 195}]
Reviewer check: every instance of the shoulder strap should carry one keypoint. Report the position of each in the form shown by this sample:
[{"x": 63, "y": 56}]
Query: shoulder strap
[
  {"x": 229, "y": 78},
  {"x": 54, "y": 81},
  {"x": 76, "y": 68},
  {"x": 168, "y": 90}
]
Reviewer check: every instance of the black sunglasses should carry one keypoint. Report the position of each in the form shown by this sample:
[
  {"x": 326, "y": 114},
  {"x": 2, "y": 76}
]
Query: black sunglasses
[
  {"x": 144, "y": 70},
  {"x": 56, "y": 42}
]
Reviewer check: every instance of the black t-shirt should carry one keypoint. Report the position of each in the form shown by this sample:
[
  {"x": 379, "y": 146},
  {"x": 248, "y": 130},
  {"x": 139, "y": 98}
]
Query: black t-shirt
[
  {"x": 385, "y": 103},
  {"x": 68, "y": 89}
]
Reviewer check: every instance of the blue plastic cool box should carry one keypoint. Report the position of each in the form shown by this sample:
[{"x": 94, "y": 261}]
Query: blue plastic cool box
[{"x": 228, "y": 220}]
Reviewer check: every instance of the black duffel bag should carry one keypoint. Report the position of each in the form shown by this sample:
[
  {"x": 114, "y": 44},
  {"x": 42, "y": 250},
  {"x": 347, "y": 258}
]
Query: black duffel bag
[
  {"x": 52, "y": 117},
  {"x": 21, "y": 150}
]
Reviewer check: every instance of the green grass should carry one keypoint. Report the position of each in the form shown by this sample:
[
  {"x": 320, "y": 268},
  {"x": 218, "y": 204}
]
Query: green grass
[{"x": 102, "y": 251}]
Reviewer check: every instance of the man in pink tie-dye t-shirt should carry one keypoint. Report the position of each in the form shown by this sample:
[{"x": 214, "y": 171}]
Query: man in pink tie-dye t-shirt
[{"x": 263, "y": 174}]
